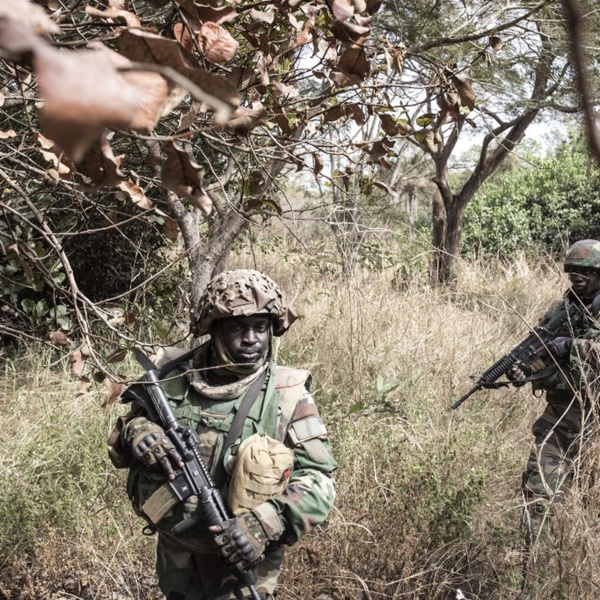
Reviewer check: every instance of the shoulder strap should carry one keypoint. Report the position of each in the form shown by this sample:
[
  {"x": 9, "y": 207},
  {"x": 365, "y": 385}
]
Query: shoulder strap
[{"x": 237, "y": 425}]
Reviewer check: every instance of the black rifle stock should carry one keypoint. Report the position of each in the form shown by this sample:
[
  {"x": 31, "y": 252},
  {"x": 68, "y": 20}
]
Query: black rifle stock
[
  {"x": 531, "y": 352},
  {"x": 194, "y": 478}
]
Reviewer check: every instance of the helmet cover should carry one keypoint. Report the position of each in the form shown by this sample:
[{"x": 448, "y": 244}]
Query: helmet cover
[
  {"x": 583, "y": 254},
  {"x": 243, "y": 293}
]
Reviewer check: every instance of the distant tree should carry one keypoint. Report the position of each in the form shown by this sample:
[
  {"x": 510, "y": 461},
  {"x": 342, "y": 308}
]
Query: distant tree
[{"x": 466, "y": 68}]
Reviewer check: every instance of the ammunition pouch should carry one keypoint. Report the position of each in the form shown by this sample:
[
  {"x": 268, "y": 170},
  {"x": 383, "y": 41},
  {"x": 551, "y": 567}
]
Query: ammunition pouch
[{"x": 262, "y": 471}]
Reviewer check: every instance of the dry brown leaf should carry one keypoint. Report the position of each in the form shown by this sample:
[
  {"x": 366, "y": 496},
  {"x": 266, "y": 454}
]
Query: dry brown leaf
[
  {"x": 496, "y": 43},
  {"x": 261, "y": 17},
  {"x": 77, "y": 363},
  {"x": 58, "y": 338},
  {"x": 342, "y": 9},
  {"x": 464, "y": 89},
  {"x": 389, "y": 125},
  {"x": 318, "y": 167},
  {"x": 102, "y": 166},
  {"x": 113, "y": 390},
  {"x": 181, "y": 174},
  {"x": 114, "y": 13},
  {"x": 144, "y": 47},
  {"x": 182, "y": 34},
  {"x": 281, "y": 89},
  {"x": 31, "y": 15},
  {"x": 53, "y": 154},
  {"x": 353, "y": 62},
  {"x": 84, "y": 386},
  {"x": 305, "y": 35},
  {"x": 245, "y": 119},
  {"x": 76, "y": 109},
  {"x": 349, "y": 32},
  {"x": 216, "y": 43},
  {"x": 5, "y": 135},
  {"x": 216, "y": 14},
  {"x": 136, "y": 193},
  {"x": 171, "y": 228}
]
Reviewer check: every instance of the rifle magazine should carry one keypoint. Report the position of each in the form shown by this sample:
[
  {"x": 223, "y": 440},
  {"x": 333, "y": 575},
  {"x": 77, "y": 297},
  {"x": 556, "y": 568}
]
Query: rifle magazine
[{"x": 160, "y": 503}]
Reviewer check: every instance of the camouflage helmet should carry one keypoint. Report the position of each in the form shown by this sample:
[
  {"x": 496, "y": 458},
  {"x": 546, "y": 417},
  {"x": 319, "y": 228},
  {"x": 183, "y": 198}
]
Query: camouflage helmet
[
  {"x": 242, "y": 293},
  {"x": 583, "y": 254}
]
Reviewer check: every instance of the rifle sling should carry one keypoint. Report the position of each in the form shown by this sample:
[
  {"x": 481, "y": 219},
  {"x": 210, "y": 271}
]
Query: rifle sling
[{"x": 236, "y": 427}]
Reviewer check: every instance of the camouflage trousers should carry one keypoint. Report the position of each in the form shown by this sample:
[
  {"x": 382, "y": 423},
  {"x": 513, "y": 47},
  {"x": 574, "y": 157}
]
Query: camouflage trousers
[
  {"x": 190, "y": 569},
  {"x": 549, "y": 467}
]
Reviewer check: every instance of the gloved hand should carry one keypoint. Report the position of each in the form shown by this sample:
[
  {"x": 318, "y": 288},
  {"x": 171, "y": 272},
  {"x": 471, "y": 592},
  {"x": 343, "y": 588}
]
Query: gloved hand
[
  {"x": 242, "y": 540},
  {"x": 560, "y": 347},
  {"x": 517, "y": 375},
  {"x": 151, "y": 445}
]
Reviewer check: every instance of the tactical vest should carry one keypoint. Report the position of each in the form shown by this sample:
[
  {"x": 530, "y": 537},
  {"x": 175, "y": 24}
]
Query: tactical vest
[{"x": 270, "y": 414}]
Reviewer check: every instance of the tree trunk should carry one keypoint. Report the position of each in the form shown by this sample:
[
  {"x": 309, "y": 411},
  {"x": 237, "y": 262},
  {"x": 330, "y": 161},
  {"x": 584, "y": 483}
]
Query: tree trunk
[{"x": 438, "y": 236}]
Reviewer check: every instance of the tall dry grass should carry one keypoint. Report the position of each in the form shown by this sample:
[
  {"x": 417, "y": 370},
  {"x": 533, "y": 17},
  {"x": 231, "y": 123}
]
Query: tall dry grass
[{"x": 428, "y": 498}]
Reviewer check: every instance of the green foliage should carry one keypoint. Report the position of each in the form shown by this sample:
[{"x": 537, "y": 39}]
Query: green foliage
[{"x": 543, "y": 206}]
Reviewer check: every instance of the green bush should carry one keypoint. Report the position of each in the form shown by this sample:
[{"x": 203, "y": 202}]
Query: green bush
[{"x": 544, "y": 206}]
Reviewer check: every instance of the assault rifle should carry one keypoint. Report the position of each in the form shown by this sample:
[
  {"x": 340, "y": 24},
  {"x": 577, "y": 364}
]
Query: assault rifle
[
  {"x": 532, "y": 353},
  {"x": 194, "y": 478}
]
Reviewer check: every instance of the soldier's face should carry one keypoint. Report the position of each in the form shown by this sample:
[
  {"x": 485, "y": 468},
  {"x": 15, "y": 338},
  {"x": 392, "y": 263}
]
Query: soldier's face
[
  {"x": 246, "y": 338},
  {"x": 584, "y": 282}
]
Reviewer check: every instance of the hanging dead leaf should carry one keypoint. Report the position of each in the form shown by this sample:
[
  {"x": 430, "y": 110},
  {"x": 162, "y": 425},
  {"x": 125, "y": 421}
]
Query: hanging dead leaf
[
  {"x": 380, "y": 149},
  {"x": 53, "y": 154},
  {"x": 182, "y": 33},
  {"x": 171, "y": 228},
  {"x": 281, "y": 89},
  {"x": 318, "y": 164},
  {"x": 101, "y": 166},
  {"x": 216, "y": 14},
  {"x": 342, "y": 9},
  {"x": 305, "y": 35},
  {"x": 32, "y": 16},
  {"x": 216, "y": 43},
  {"x": 156, "y": 93},
  {"x": 496, "y": 44},
  {"x": 353, "y": 63},
  {"x": 389, "y": 125},
  {"x": 58, "y": 338},
  {"x": 136, "y": 193},
  {"x": 465, "y": 91},
  {"x": 215, "y": 91},
  {"x": 355, "y": 112},
  {"x": 181, "y": 174},
  {"x": 348, "y": 32},
  {"x": 245, "y": 119},
  {"x": 76, "y": 110},
  {"x": 398, "y": 53},
  {"x": 114, "y": 389}
]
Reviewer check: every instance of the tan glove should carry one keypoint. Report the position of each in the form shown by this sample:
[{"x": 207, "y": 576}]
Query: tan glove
[
  {"x": 242, "y": 540},
  {"x": 151, "y": 445}
]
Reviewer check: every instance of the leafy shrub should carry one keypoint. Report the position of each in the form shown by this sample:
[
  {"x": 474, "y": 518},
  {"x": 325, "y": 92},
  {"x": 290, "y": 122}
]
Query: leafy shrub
[{"x": 545, "y": 206}]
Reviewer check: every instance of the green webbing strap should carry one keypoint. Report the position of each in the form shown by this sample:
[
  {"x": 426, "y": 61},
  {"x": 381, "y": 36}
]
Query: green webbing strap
[{"x": 237, "y": 426}]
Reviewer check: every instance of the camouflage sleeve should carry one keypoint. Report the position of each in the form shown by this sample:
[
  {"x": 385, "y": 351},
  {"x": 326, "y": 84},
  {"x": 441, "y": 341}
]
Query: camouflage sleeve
[
  {"x": 585, "y": 352},
  {"x": 118, "y": 452},
  {"x": 309, "y": 496}
]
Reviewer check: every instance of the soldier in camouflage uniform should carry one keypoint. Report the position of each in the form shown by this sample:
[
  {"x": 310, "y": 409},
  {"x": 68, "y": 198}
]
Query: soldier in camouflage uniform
[
  {"x": 241, "y": 310},
  {"x": 570, "y": 388}
]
